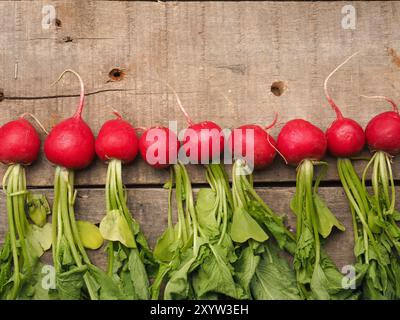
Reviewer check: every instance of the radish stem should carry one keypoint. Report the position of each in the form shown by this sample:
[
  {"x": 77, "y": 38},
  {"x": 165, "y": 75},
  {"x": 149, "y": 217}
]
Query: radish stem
[
  {"x": 371, "y": 256},
  {"x": 327, "y": 95},
  {"x": 64, "y": 227},
  {"x": 22, "y": 258},
  {"x": 78, "y": 112},
  {"x": 188, "y": 119},
  {"x": 394, "y": 105},
  {"x": 132, "y": 245}
]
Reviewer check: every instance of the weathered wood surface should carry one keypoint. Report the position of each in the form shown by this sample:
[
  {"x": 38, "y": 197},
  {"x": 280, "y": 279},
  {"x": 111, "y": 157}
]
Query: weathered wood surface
[
  {"x": 221, "y": 58},
  {"x": 149, "y": 207},
  {"x": 205, "y": 50}
]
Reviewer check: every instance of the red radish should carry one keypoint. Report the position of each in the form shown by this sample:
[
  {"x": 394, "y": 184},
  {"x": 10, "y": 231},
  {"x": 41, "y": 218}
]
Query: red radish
[
  {"x": 157, "y": 144},
  {"x": 302, "y": 144},
  {"x": 204, "y": 138},
  {"x": 383, "y": 138},
  {"x": 345, "y": 136},
  {"x": 383, "y": 130},
  {"x": 300, "y": 140},
  {"x": 117, "y": 140},
  {"x": 70, "y": 143},
  {"x": 262, "y": 148},
  {"x": 116, "y": 144},
  {"x": 20, "y": 143}
]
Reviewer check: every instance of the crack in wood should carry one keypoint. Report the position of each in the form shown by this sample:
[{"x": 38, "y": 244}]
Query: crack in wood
[
  {"x": 235, "y": 68},
  {"x": 3, "y": 97},
  {"x": 63, "y": 39},
  {"x": 59, "y": 96}
]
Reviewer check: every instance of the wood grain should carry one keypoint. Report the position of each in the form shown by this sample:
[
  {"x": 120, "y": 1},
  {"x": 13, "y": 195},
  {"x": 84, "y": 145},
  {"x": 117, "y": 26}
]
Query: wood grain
[
  {"x": 149, "y": 207},
  {"x": 205, "y": 50}
]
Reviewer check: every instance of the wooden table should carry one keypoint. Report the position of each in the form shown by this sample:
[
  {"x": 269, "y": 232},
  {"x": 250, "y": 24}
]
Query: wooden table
[{"x": 222, "y": 58}]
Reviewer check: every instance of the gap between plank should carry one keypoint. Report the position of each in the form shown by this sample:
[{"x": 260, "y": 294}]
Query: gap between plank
[{"x": 272, "y": 184}]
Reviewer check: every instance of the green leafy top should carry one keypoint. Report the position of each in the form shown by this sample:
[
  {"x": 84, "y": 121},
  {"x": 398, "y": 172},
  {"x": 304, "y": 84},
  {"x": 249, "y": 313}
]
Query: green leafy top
[
  {"x": 25, "y": 243},
  {"x": 130, "y": 260},
  {"x": 376, "y": 233},
  {"x": 317, "y": 276}
]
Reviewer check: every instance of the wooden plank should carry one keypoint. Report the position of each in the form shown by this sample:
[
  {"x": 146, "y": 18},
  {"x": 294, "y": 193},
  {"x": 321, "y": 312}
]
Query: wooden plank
[
  {"x": 202, "y": 49},
  {"x": 149, "y": 207}
]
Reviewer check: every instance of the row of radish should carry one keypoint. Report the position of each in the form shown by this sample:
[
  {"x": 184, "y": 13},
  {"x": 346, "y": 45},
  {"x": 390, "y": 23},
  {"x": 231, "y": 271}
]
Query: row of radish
[{"x": 219, "y": 246}]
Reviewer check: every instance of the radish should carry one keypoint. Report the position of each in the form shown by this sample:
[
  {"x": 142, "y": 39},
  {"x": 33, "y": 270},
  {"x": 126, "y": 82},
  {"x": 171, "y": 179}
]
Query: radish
[
  {"x": 383, "y": 131},
  {"x": 117, "y": 140},
  {"x": 253, "y": 221},
  {"x": 378, "y": 242},
  {"x": 345, "y": 136},
  {"x": 253, "y": 144},
  {"x": 300, "y": 141},
  {"x": 70, "y": 146},
  {"x": 303, "y": 144},
  {"x": 203, "y": 141},
  {"x": 159, "y": 147},
  {"x": 383, "y": 136},
  {"x": 116, "y": 144},
  {"x": 70, "y": 143},
  {"x": 20, "y": 142},
  {"x": 25, "y": 242}
]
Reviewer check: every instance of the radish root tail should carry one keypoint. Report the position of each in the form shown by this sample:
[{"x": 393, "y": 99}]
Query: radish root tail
[
  {"x": 276, "y": 149},
  {"x": 339, "y": 114},
  {"x": 394, "y": 105},
  {"x": 225, "y": 97},
  {"x": 273, "y": 123},
  {"x": 189, "y": 121},
  {"x": 41, "y": 126},
  {"x": 140, "y": 128},
  {"x": 116, "y": 112},
  {"x": 270, "y": 126},
  {"x": 78, "y": 112}
]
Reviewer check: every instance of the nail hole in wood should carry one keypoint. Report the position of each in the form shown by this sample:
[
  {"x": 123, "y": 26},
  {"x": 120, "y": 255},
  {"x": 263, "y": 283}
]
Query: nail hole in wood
[
  {"x": 116, "y": 74},
  {"x": 278, "y": 88},
  {"x": 1, "y": 94},
  {"x": 68, "y": 39},
  {"x": 58, "y": 23}
]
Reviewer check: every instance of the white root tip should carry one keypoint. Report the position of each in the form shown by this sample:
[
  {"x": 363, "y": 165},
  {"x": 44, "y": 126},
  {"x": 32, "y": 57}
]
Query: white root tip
[{"x": 36, "y": 120}]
